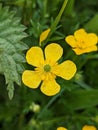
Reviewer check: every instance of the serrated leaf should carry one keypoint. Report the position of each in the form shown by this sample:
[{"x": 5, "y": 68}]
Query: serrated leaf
[
  {"x": 20, "y": 46},
  {"x": 9, "y": 68},
  {"x": 20, "y": 68},
  {"x": 10, "y": 89},
  {"x": 8, "y": 47},
  {"x": 19, "y": 57},
  {"x": 11, "y": 48}
]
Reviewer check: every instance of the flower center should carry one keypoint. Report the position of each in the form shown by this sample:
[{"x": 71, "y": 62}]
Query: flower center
[
  {"x": 81, "y": 45},
  {"x": 47, "y": 67}
]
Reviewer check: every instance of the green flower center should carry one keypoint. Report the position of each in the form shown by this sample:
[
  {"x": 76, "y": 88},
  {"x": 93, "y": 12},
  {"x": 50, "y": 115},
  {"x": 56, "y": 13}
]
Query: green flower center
[{"x": 47, "y": 67}]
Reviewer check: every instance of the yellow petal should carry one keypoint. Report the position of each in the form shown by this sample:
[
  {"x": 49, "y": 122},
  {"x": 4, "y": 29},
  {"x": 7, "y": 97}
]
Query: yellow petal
[
  {"x": 53, "y": 52},
  {"x": 91, "y": 39},
  {"x": 44, "y": 35},
  {"x": 71, "y": 41},
  {"x": 65, "y": 70},
  {"x": 61, "y": 128},
  {"x": 31, "y": 79},
  {"x": 86, "y": 50},
  {"x": 86, "y": 127},
  {"x": 80, "y": 34},
  {"x": 35, "y": 56},
  {"x": 50, "y": 87}
]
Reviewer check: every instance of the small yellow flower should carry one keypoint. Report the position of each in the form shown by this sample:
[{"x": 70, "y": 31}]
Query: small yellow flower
[
  {"x": 44, "y": 35},
  {"x": 47, "y": 68},
  {"x": 82, "y": 42},
  {"x": 61, "y": 128},
  {"x": 86, "y": 127}
]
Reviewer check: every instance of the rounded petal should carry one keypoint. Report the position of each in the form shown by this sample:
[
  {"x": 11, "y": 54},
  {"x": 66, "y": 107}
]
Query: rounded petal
[
  {"x": 44, "y": 35},
  {"x": 53, "y": 52},
  {"x": 65, "y": 70},
  {"x": 50, "y": 87},
  {"x": 86, "y": 50},
  {"x": 35, "y": 56},
  {"x": 86, "y": 127},
  {"x": 31, "y": 79},
  {"x": 61, "y": 128},
  {"x": 91, "y": 39},
  {"x": 71, "y": 41},
  {"x": 80, "y": 34}
]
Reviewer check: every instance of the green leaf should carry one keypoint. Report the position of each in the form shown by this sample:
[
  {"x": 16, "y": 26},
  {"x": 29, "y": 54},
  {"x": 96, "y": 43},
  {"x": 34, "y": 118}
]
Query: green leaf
[
  {"x": 92, "y": 25},
  {"x": 82, "y": 99},
  {"x": 56, "y": 38},
  {"x": 10, "y": 89},
  {"x": 9, "y": 68},
  {"x": 11, "y": 48}
]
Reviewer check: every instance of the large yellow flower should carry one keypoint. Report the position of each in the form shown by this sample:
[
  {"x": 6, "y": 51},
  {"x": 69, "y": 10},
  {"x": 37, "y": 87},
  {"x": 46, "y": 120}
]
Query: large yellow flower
[
  {"x": 61, "y": 128},
  {"x": 86, "y": 127},
  {"x": 82, "y": 42},
  {"x": 47, "y": 68}
]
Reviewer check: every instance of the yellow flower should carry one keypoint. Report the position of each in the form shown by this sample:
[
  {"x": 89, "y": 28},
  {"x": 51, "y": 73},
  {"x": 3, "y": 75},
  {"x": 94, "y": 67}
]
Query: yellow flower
[
  {"x": 61, "y": 128},
  {"x": 86, "y": 127},
  {"x": 47, "y": 68},
  {"x": 82, "y": 42},
  {"x": 44, "y": 35}
]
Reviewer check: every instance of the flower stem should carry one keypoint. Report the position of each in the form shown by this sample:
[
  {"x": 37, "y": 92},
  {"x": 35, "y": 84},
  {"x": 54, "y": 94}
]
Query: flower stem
[{"x": 56, "y": 21}]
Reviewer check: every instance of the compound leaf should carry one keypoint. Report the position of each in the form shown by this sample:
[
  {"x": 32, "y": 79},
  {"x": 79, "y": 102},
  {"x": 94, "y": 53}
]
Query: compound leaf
[{"x": 11, "y": 48}]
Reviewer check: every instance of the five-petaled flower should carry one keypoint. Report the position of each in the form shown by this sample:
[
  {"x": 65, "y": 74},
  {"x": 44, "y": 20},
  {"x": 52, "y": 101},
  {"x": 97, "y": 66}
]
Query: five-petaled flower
[
  {"x": 82, "y": 42},
  {"x": 89, "y": 127},
  {"x": 47, "y": 68},
  {"x": 61, "y": 128}
]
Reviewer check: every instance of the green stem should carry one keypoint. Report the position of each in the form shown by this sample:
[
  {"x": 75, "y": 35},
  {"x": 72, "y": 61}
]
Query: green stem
[
  {"x": 56, "y": 21},
  {"x": 45, "y": 8}
]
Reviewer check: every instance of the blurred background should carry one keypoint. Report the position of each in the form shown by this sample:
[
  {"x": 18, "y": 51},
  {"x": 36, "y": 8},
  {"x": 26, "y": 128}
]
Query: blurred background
[{"x": 77, "y": 105}]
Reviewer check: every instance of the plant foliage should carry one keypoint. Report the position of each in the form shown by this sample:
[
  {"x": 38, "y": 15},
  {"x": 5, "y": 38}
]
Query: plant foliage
[
  {"x": 76, "y": 104},
  {"x": 11, "y": 48}
]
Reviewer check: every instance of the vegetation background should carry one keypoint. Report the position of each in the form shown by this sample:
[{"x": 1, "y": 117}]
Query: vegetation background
[{"x": 21, "y": 23}]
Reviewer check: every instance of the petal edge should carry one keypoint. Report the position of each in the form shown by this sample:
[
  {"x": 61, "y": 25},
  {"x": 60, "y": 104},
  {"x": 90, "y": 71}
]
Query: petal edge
[
  {"x": 50, "y": 87},
  {"x": 34, "y": 56},
  {"x": 53, "y": 52},
  {"x": 66, "y": 70},
  {"x": 31, "y": 79}
]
